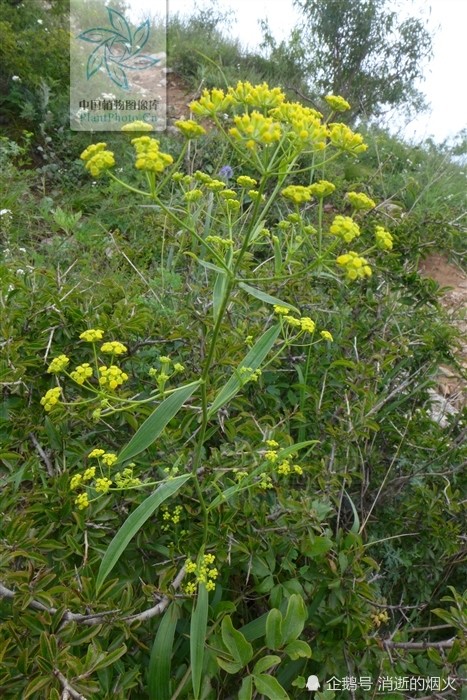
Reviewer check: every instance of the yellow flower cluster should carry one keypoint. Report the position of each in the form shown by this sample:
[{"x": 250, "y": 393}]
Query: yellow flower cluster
[
  {"x": 58, "y": 364},
  {"x": 193, "y": 195},
  {"x": 204, "y": 572},
  {"x": 322, "y": 188},
  {"x": 148, "y": 156},
  {"x": 102, "y": 485},
  {"x": 109, "y": 459},
  {"x": 355, "y": 266},
  {"x": 305, "y": 128},
  {"x": 360, "y": 201},
  {"x": 304, "y": 323},
  {"x": 254, "y": 129},
  {"x": 82, "y": 501},
  {"x": 125, "y": 478},
  {"x": 246, "y": 181},
  {"x": 51, "y": 398},
  {"x": 337, "y": 103},
  {"x": 383, "y": 238},
  {"x": 137, "y": 125},
  {"x": 259, "y": 96},
  {"x": 297, "y": 193},
  {"x": 112, "y": 376},
  {"x": 97, "y": 159},
  {"x": 345, "y": 227},
  {"x": 97, "y": 452},
  {"x": 81, "y": 373},
  {"x": 341, "y": 136},
  {"x": 92, "y": 335},
  {"x": 189, "y": 128},
  {"x": 326, "y": 335},
  {"x": 114, "y": 347},
  {"x": 211, "y": 102}
]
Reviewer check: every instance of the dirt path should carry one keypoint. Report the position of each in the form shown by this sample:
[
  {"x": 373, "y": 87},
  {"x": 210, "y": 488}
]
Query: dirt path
[{"x": 451, "y": 387}]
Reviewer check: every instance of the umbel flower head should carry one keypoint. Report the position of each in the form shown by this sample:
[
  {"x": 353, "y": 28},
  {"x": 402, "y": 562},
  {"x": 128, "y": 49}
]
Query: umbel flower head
[
  {"x": 97, "y": 159},
  {"x": 148, "y": 155}
]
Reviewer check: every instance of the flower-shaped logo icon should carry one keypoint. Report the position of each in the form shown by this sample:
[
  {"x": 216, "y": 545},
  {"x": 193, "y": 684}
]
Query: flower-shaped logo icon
[{"x": 118, "y": 49}]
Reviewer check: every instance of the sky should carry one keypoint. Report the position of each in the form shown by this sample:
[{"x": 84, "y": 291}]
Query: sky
[{"x": 444, "y": 75}]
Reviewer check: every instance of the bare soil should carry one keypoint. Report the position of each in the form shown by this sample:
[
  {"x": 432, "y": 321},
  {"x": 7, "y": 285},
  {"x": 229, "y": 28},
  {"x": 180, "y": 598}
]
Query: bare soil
[{"x": 451, "y": 385}]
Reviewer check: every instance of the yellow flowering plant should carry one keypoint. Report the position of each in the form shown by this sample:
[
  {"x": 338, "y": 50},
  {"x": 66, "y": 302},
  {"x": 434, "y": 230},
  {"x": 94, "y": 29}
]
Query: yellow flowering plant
[{"x": 252, "y": 232}]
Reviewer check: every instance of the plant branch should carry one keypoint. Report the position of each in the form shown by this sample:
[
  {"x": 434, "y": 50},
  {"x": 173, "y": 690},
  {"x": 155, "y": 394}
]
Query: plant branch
[
  {"x": 68, "y": 690},
  {"x": 444, "y": 644}
]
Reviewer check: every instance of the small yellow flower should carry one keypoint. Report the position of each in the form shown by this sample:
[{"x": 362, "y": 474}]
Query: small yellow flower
[
  {"x": 271, "y": 455},
  {"x": 297, "y": 193},
  {"x": 307, "y": 324},
  {"x": 89, "y": 474},
  {"x": 189, "y": 128},
  {"x": 92, "y": 335},
  {"x": 284, "y": 468},
  {"x": 360, "y": 201},
  {"x": 345, "y": 227},
  {"x": 281, "y": 310},
  {"x": 355, "y": 266},
  {"x": 383, "y": 238},
  {"x": 96, "y": 453},
  {"x": 193, "y": 195},
  {"x": 137, "y": 125},
  {"x": 51, "y": 398},
  {"x": 102, "y": 485},
  {"x": 190, "y": 566},
  {"x": 190, "y": 588},
  {"x": 75, "y": 481},
  {"x": 114, "y": 347},
  {"x": 109, "y": 459},
  {"x": 344, "y": 138},
  {"x": 322, "y": 188},
  {"x": 297, "y": 469},
  {"x": 211, "y": 102},
  {"x": 337, "y": 103},
  {"x": 210, "y": 585},
  {"x": 112, "y": 377},
  {"x": 81, "y": 373},
  {"x": 82, "y": 501},
  {"x": 272, "y": 443},
  {"x": 292, "y": 321},
  {"x": 245, "y": 181},
  {"x": 58, "y": 364},
  {"x": 326, "y": 335}
]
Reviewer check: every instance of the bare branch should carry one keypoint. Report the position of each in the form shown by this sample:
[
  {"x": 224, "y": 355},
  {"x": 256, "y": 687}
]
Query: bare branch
[
  {"x": 42, "y": 454},
  {"x": 68, "y": 690},
  {"x": 444, "y": 644},
  {"x": 161, "y": 606}
]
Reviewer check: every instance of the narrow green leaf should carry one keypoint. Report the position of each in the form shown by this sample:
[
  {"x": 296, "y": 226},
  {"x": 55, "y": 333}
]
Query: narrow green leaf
[
  {"x": 161, "y": 656},
  {"x": 356, "y": 520},
  {"x": 198, "y": 627},
  {"x": 274, "y": 629},
  {"x": 253, "y": 359},
  {"x": 109, "y": 659},
  {"x": 134, "y": 523},
  {"x": 153, "y": 426},
  {"x": 35, "y": 685},
  {"x": 277, "y": 256},
  {"x": 218, "y": 293},
  {"x": 267, "y": 298},
  {"x": 294, "y": 620},
  {"x": 270, "y": 687},
  {"x": 235, "y": 642},
  {"x": 266, "y": 663}
]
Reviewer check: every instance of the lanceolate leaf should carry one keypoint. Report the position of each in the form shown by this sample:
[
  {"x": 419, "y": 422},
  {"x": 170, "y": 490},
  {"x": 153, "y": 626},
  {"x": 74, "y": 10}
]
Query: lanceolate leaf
[
  {"x": 267, "y": 298},
  {"x": 161, "y": 656},
  {"x": 134, "y": 523},
  {"x": 254, "y": 360},
  {"x": 153, "y": 426},
  {"x": 199, "y": 623}
]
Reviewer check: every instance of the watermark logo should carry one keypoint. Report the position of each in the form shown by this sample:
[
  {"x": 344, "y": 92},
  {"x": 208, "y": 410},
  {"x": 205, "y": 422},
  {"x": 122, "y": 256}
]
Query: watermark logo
[
  {"x": 117, "y": 64},
  {"x": 312, "y": 683},
  {"x": 118, "y": 49}
]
